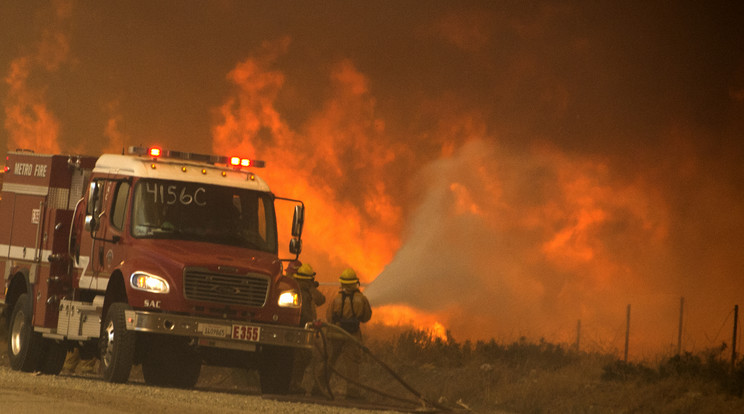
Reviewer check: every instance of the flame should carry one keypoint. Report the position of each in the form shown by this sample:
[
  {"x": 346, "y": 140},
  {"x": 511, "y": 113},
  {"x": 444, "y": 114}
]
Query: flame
[
  {"x": 28, "y": 119},
  {"x": 334, "y": 162},
  {"x": 403, "y": 315},
  {"x": 30, "y": 123},
  {"x": 522, "y": 235}
]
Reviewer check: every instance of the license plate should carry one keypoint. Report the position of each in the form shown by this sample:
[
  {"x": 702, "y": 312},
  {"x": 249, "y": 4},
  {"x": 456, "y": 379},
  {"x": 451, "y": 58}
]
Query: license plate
[
  {"x": 216, "y": 331},
  {"x": 246, "y": 333}
]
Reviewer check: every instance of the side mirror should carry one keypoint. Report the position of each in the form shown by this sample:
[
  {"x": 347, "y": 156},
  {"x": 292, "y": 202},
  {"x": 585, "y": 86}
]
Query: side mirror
[
  {"x": 298, "y": 220},
  {"x": 295, "y": 246}
]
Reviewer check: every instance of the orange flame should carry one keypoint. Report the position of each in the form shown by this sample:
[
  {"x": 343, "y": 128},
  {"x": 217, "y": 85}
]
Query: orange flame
[
  {"x": 482, "y": 219},
  {"x": 403, "y": 315},
  {"x": 28, "y": 119},
  {"x": 351, "y": 218}
]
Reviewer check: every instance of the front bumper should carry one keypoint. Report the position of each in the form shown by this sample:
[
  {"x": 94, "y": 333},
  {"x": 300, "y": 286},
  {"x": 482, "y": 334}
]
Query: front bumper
[{"x": 219, "y": 333}]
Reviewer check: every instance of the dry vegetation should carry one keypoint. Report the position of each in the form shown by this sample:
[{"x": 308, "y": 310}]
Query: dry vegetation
[{"x": 526, "y": 377}]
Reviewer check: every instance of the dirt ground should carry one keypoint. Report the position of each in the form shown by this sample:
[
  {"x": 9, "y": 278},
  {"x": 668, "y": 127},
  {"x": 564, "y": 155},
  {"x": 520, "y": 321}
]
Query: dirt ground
[{"x": 219, "y": 390}]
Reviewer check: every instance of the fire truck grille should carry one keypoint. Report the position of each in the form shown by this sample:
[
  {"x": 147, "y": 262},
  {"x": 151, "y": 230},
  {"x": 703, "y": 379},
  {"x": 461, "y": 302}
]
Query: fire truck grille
[{"x": 247, "y": 289}]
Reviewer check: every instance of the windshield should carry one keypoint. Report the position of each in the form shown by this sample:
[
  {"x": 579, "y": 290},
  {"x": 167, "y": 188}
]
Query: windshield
[{"x": 208, "y": 213}]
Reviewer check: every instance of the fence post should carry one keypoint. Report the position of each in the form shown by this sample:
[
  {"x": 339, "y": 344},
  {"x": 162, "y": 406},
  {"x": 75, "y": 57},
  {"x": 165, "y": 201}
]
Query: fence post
[
  {"x": 679, "y": 335},
  {"x": 627, "y": 333},
  {"x": 733, "y": 342}
]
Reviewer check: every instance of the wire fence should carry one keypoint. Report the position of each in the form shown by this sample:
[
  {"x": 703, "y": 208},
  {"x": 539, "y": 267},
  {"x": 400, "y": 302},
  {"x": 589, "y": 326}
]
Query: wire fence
[{"x": 619, "y": 338}]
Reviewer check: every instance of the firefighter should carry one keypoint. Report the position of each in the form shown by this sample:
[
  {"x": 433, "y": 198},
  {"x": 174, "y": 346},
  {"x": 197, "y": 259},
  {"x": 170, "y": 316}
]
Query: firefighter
[
  {"x": 310, "y": 298},
  {"x": 80, "y": 362},
  {"x": 348, "y": 310}
]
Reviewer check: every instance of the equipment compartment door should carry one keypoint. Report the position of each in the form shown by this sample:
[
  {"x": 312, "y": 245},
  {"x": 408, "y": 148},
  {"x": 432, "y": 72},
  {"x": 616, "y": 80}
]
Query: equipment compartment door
[{"x": 27, "y": 227}]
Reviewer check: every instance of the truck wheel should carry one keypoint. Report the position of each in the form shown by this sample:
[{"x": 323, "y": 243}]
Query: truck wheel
[
  {"x": 116, "y": 345},
  {"x": 170, "y": 362},
  {"x": 24, "y": 345},
  {"x": 275, "y": 369},
  {"x": 53, "y": 357}
]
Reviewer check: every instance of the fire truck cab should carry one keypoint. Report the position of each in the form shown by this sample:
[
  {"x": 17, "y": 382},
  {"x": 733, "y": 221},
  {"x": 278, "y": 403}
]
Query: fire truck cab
[{"x": 159, "y": 258}]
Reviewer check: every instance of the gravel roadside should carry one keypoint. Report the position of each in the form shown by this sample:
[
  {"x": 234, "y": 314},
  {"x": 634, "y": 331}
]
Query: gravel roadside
[
  {"x": 55, "y": 394},
  {"x": 218, "y": 391}
]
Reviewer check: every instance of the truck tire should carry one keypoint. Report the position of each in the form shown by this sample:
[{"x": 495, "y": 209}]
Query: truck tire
[
  {"x": 170, "y": 362},
  {"x": 275, "y": 369},
  {"x": 24, "y": 345},
  {"x": 116, "y": 345},
  {"x": 53, "y": 357}
]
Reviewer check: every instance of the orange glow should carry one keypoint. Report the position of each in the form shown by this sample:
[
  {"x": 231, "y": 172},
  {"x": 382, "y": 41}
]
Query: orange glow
[
  {"x": 402, "y": 315},
  {"x": 30, "y": 122},
  {"x": 464, "y": 203},
  {"x": 559, "y": 180},
  {"x": 505, "y": 241},
  {"x": 311, "y": 163}
]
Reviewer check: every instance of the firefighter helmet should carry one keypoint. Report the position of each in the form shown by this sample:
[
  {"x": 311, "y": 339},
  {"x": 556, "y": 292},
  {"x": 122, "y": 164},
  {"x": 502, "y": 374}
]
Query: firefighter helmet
[
  {"x": 348, "y": 276},
  {"x": 305, "y": 272}
]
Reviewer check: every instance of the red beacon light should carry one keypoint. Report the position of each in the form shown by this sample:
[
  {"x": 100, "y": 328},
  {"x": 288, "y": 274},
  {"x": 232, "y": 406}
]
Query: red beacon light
[{"x": 154, "y": 152}]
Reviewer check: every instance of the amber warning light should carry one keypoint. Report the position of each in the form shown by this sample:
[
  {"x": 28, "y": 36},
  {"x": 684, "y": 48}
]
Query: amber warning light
[{"x": 244, "y": 162}]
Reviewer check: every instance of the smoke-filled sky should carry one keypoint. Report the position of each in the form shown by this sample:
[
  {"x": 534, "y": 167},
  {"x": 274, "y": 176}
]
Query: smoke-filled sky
[{"x": 506, "y": 168}]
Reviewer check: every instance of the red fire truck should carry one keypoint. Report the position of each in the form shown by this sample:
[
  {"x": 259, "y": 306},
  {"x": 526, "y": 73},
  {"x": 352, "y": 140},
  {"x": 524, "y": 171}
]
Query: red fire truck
[{"x": 160, "y": 258}]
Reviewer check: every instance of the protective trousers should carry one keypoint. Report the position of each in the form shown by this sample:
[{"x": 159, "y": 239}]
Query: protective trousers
[{"x": 346, "y": 356}]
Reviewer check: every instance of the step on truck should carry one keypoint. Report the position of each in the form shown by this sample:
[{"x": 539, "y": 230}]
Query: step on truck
[{"x": 160, "y": 258}]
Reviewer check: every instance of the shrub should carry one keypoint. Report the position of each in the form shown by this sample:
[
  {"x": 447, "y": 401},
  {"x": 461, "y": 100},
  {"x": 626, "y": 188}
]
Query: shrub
[
  {"x": 528, "y": 376},
  {"x": 624, "y": 371},
  {"x": 420, "y": 347}
]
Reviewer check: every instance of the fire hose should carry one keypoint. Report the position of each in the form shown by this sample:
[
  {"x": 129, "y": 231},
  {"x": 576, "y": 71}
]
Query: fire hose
[{"x": 320, "y": 329}]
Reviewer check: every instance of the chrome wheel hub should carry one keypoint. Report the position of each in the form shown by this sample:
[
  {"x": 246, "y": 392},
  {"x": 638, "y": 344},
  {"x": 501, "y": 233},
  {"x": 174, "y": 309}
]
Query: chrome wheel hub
[
  {"x": 108, "y": 354},
  {"x": 16, "y": 333}
]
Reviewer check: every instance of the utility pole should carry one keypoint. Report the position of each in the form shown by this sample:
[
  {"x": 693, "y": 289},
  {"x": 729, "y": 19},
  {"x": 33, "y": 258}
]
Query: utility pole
[{"x": 578, "y": 334}]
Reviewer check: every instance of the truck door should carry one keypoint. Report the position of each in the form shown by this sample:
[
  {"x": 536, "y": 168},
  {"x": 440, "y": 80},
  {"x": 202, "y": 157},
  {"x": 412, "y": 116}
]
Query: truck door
[
  {"x": 86, "y": 230},
  {"x": 110, "y": 250},
  {"x": 101, "y": 211},
  {"x": 91, "y": 238},
  {"x": 105, "y": 216}
]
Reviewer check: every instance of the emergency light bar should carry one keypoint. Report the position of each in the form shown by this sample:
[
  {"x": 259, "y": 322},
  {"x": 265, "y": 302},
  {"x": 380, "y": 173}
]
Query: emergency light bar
[{"x": 155, "y": 153}]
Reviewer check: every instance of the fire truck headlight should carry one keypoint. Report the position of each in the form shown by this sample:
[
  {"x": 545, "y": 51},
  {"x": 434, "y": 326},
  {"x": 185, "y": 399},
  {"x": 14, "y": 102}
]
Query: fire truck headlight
[
  {"x": 149, "y": 283},
  {"x": 289, "y": 299}
]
